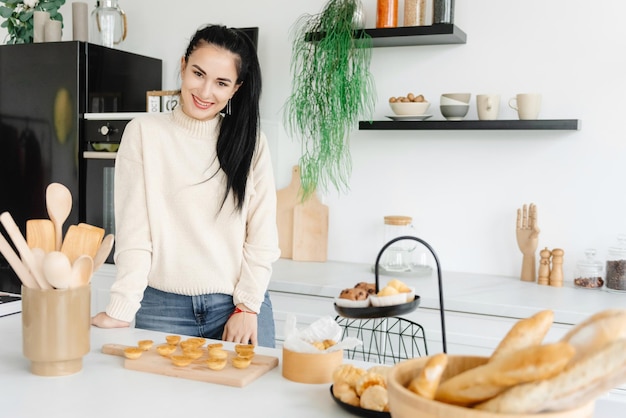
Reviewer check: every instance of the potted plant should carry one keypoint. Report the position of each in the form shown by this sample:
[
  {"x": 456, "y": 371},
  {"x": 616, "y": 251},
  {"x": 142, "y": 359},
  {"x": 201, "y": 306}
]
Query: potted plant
[
  {"x": 331, "y": 88},
  {"x": 18, "y": 15}
]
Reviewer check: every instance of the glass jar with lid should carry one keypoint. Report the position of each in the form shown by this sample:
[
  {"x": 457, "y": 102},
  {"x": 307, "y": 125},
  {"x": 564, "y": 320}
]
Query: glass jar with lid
[
  {"x": 589, "y": 271},
  {"x": 616, "y": 266}
]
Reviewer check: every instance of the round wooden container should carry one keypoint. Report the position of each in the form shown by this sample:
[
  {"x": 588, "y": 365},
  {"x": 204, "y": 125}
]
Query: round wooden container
[
  {"x": 405, "y": 404},
  {"x": 310, "y": 368}
]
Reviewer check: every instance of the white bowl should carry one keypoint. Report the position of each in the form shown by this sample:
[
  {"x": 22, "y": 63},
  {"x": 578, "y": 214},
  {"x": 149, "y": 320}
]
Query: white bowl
[
  {"x": 454, "y": 112},
  {"x": 391, "y": 300},
  {"x": 461, "y": 97},
  {"x": 347, "y": 303},
  {"x": 446, "y": 101},
  {"x": 409, "y": 108}
]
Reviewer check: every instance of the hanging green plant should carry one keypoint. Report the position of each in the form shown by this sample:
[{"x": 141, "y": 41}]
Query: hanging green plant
[{"x": 332, "y": 88}]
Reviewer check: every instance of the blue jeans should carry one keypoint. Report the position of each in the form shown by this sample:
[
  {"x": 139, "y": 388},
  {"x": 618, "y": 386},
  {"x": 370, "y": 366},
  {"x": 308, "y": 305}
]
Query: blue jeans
[{"x": 200, "y": 316}]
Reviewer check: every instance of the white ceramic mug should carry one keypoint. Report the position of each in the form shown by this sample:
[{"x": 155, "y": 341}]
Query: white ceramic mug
[
  {"x": 488, "y": 106},
  {"x": 527, "y": 105}
]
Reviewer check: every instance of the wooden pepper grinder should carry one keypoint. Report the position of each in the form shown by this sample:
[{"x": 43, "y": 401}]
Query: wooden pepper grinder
[
  {"x": 556, "y": 275},
  {"x": 544, "y": 267}
]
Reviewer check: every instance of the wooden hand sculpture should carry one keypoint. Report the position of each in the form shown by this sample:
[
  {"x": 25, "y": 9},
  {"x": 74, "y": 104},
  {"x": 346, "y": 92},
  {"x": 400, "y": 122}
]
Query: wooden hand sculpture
[{"x": 527, "y": 232}]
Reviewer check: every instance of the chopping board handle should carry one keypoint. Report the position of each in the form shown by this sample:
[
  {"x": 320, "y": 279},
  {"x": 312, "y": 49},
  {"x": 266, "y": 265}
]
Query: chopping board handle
[{"x": 114, "y": 349}]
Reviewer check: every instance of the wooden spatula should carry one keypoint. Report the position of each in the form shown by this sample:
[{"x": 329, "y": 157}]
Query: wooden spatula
[
  {"x": 40, "y": 234},
  {"x": 80, "y": 241}
]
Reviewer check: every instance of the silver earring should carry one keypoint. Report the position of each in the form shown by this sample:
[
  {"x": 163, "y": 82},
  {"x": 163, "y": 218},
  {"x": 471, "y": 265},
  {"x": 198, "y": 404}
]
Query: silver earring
[{"x": 228, "y": 107}]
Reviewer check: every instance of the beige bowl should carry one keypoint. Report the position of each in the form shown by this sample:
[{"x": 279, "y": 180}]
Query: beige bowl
[
  {"x": 309, "y": 367},
  {"x": 409, "y": 108},
  {"x": 405, "y": 404}
]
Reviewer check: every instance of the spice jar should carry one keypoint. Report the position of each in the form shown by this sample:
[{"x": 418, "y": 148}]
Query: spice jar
[
  {"x": 387, "y": 13},
  {"x": 589, "y": 271},
  {"x": 414, "y": 12},
  {"x": 616, "y": 266}
]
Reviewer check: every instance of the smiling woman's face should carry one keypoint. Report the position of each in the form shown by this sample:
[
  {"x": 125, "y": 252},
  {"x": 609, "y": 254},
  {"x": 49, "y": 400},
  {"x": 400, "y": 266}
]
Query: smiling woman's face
[{"x": 209, "y": 79}]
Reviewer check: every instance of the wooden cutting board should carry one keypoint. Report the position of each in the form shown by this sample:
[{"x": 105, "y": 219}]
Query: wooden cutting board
[
  {"x": 310, "y": 230},
  {"x": 152, "y": 362},
  {"x": 286, "y": 200},
  {"x": 302, "y": 226}
]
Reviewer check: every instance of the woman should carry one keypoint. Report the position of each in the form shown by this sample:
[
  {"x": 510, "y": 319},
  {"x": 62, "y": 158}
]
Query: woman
[{"x": 195, "y": 204}]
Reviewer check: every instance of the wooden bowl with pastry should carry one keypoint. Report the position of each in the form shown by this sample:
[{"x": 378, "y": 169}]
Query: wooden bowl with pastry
[{"x": 525, "y": 377}]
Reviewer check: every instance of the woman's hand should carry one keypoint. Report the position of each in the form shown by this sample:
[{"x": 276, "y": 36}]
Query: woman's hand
[
  {"x": 241, "y": 328},
  {"x": 102, "y": 320}
]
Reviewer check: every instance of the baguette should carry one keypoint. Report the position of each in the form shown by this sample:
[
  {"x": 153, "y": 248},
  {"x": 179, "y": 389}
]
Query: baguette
[
  {"x": 427, "y": 381},
  {"x": 487, "y": 381},
  {"x": 596, "y": 331},
  {"x": 579, "y": 384},
  {"x": 526, "y": 332}
]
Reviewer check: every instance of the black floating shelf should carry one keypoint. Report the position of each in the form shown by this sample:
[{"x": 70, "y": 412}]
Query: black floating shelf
[
  {"x": 442, "y": 125},
  {"x": 440, "y": 34}
]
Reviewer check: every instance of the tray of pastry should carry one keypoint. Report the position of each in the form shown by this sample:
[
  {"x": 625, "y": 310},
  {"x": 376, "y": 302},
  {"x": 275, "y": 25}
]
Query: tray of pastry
[
  {"x": 356, "y": 410},
  {"x": 364, "y": 300}
]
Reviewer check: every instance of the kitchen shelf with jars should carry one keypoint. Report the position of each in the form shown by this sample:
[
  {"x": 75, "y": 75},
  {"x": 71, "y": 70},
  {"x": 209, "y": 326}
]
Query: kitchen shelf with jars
[
  {"x": 439, "y": 34},
  {"x": 512, "y": 124}
]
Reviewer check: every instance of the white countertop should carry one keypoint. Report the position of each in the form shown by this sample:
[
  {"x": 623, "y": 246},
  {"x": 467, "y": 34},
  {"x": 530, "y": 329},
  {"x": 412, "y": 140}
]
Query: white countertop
[
  {"x": 463, "y": 292},
  {"x": 105, "y": 389}
]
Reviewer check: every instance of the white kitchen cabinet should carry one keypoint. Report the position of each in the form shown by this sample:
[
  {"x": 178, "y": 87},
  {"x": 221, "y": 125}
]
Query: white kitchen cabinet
[{"x": 466, "y": 333}]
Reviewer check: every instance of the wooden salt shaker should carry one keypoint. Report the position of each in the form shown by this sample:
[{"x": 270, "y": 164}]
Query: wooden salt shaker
[
  {"x": 556, "y": 275},
  {"x": 544, "y": 267}
]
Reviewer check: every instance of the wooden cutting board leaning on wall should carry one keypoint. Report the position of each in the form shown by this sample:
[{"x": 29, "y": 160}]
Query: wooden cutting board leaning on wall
[{"x": 302, "y": 226}]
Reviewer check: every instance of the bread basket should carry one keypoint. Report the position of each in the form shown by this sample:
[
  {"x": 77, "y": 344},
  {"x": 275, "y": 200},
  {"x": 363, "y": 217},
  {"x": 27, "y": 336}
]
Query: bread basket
[{"x": 405, "y": 404}]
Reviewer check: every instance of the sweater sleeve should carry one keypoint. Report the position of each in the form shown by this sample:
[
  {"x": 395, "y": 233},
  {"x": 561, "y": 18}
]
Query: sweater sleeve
[
  {"x": 261, "y": 244},
  {"x": 133, "y": 250}
]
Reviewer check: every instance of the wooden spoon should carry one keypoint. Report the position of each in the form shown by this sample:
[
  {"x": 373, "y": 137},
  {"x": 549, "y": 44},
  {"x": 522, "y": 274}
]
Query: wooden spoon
[
  {"x": 38, "y": 255},
  {"x": 82, "y": 269},
  {"x": 22, "y": 247},
  {"x": 59, "y": 205},
  {"x": 40, "y": 234},
  {"x": 16, "y": 264},
  {"x": 103, "y": 251},
  {"x": 57, "y": 269}
]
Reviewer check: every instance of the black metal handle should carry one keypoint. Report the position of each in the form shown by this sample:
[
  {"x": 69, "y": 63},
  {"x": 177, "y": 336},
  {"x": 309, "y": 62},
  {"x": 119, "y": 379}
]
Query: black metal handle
[{"x": 425, "y": 244}]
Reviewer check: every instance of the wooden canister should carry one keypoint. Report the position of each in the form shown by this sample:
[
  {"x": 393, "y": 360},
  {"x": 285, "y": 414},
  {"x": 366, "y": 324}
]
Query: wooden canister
[{"x": 309, "y": 367}]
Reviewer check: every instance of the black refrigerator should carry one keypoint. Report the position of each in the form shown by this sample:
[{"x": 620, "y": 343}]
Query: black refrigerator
[{"x": 45, "y": 90}]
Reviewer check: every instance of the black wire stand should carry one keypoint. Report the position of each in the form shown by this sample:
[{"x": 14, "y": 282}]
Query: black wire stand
[{"x": 371, "y": 312}]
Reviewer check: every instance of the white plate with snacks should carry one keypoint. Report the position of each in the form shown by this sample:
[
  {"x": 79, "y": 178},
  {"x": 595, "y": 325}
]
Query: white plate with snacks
[{"x": 406, "y": 118}]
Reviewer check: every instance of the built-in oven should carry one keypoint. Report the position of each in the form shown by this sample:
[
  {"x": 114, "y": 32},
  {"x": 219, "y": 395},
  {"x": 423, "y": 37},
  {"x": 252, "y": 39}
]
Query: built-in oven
[{"x": 102, "y": 137}]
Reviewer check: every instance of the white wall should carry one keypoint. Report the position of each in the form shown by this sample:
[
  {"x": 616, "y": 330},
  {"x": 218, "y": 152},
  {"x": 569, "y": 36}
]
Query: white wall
[{"x": 461, "y": 187}]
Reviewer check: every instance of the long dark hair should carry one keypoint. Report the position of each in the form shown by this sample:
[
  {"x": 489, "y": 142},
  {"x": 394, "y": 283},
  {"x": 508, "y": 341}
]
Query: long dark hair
[{"x": 239, "y": 129}]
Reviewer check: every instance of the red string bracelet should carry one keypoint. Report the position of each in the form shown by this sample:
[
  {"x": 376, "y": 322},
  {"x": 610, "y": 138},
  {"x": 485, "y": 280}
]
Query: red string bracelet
[{"x": 239, "y": 310}]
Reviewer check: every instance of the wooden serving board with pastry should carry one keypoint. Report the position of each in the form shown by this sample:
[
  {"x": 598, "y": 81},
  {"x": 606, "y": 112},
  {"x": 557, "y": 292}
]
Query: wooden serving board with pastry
[{"x": 190, "y": 359}]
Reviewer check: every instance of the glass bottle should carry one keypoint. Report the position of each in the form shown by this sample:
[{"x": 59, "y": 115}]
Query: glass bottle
[
  {"x": 589, "y": 271},
  {"x": 108, "y": 24},
  {"x": 387, "y": 13},
  {"x": 616, "y": 266},
  {"x": 443, "y": 11},
  {"x": 414, "y": 13}
]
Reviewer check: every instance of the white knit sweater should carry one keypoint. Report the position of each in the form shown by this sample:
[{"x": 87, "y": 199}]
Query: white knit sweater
[{"x": 170, "y": 231}]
